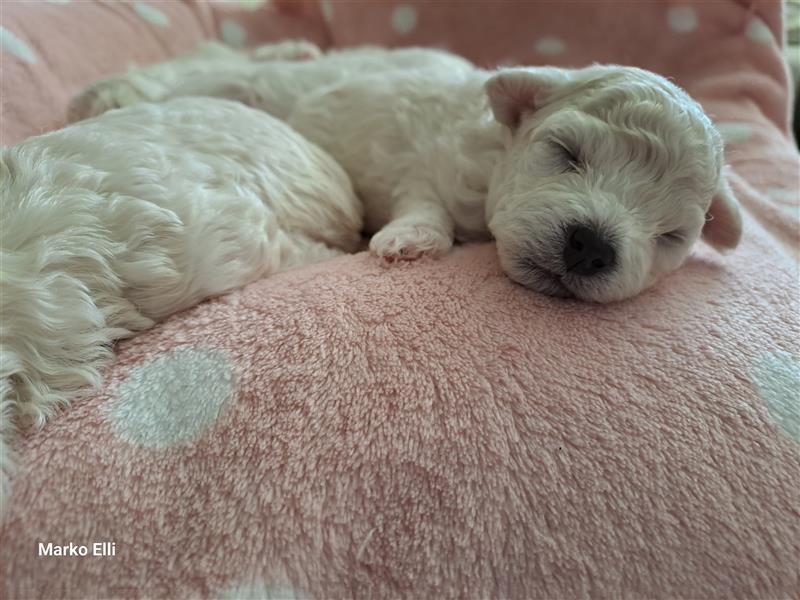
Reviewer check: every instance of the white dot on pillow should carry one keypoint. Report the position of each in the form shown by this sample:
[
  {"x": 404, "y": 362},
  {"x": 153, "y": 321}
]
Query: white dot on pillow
[
  {"x": 326, "y": 6},
  {"x": 404, "y": 18},
  {"x": 11, "y": 43},
  {"x": 734, "y": 132},
  {"x": 232, "y": 33},
  {"x": 256, "y": 590},
  {"x": 776, "y": 376},
  {"x": 507, "y": 63},
  {"x": 682, "y": 19},
  {"x": 550, "y": 45},
  {"x": 758, "y": 31},
  {"x": 172, "y": 398},
  {"x": 151, "y": 14},
  {"x": 792, "y": 210},
  {"x": 784, "y": 194}
]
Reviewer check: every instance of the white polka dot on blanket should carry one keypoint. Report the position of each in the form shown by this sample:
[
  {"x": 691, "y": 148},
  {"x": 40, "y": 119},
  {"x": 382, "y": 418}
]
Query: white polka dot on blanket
[
  {"x": 550, "y": 45},
  {"x": 682, "y": 19},
  {"x": 733, "y": 132},
  {"x": 172, "y": 398},
  {"x": 232, "y": 33},
  {"x": 777, "y": 378},
  {"x": 758, "y": 31},
  {"x": 404, "y": 18},
  {"x": 784, "y": 194},
  {"x": 507, "y": 63},
  {"x": 11, "y": 43},
  {"x": 256, "y": 590},
  {"x": 326, "y": 6},
  {"x": 793, "y": 211},
  {"x": 151, "y": 14}
]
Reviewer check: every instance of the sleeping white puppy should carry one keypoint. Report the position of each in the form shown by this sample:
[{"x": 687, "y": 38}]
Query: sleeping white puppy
[
  {"x": 594, "y": 182},
  {"x": 116, "y": 222}
]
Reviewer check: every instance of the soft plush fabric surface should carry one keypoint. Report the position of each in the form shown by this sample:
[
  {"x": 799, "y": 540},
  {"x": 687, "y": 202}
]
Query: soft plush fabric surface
[
  {"x": 430, "y": 431},
  {"x": 433, "y": 430}
]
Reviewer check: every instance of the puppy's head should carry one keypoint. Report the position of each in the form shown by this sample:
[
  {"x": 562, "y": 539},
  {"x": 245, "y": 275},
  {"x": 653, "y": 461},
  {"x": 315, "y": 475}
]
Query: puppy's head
[{"x": 611, "y": 175}]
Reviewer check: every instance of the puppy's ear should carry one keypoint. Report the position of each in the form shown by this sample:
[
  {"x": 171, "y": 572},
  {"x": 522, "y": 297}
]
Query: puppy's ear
[
  {"x": 723, "y": 226},
  {"x": 513, "y": 92}
]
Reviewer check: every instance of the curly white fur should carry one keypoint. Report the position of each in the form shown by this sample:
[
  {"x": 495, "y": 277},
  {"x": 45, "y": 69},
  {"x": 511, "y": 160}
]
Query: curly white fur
[
  {"x": 440, "y": 150},
  {"x": 117, "y": 222},
  {"x": 112, "y": 224}
]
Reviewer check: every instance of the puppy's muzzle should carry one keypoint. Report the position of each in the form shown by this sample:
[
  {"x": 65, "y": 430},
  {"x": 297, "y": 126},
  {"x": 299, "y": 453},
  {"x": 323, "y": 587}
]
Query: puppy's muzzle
[{"x": 587, "y": 253}]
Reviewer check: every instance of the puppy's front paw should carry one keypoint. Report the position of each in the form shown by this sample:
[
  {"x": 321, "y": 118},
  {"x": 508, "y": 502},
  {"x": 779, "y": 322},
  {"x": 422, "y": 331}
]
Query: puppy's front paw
[
  {"x": 104, "y": 95},
  {"x": 409, "y": 242},
  {"x": 287, "y": 50}
]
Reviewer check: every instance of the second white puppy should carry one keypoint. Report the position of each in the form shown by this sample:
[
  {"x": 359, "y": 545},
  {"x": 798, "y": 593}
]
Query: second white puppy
[
  {"x": 594, "y": 182},
  {"x": 117, "y": 222}
]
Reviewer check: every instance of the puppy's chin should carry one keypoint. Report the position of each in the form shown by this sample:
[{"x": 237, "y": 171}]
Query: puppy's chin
[
  {"x": 598, "y": 292},
  {"x": 540, "y": 279},
  {"x": 532, "y": 275},
  {"x": 551, "y": 284}
]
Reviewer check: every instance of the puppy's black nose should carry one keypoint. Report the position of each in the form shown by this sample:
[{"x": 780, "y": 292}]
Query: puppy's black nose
[{"x": 587, "y": 253}]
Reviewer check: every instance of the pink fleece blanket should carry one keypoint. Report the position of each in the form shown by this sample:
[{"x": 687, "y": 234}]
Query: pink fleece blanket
[{"x": 433, "y": 430}]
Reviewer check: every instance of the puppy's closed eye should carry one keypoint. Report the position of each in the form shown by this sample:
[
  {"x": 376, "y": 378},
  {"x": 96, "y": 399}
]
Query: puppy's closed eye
[
  {"x": 567, "y": 159},
  {"x": 671, "y": 238}
]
